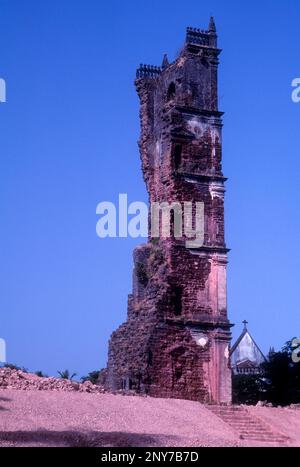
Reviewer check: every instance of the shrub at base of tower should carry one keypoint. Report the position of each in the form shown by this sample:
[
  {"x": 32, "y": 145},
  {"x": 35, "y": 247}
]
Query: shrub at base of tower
[{"x": 247, "y": 389}]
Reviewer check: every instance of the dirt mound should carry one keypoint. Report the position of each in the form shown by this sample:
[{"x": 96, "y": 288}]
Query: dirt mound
[{"x": 17, "y": 379}]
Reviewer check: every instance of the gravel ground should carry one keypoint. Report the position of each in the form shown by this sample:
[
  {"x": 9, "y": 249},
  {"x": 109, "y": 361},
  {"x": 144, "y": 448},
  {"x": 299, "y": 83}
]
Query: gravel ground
[
  {"x": 48, "y": 418},
  {"x": 58, "y": 418}
]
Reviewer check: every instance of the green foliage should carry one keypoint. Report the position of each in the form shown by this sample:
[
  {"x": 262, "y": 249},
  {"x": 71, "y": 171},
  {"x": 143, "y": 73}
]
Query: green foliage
[
  {"x": 282, "y": 377},
  {"x": 141, "y": 273},
  {"x": 92, "y": 377},
  {"x": 102, "y": 376},
  {"x": 146, "y": 269},
  {"x": 278, "y": 383},
  {"x": 156, "y": 257},
  {"x": 246, "y": 389},
  {"x": 155, "y": 240},
  {"x": 66, "y": 374}
]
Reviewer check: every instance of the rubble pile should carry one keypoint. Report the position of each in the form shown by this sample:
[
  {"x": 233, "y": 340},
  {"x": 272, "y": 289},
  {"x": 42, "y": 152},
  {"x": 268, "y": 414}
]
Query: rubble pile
[{"x": 18, "y": 379}]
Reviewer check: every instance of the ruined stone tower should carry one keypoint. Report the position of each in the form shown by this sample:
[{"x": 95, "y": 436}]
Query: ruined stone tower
[{"x": 175, "y": 341}]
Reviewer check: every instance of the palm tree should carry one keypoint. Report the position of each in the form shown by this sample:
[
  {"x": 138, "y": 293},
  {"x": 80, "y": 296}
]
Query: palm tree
[
  {"x": 41, "y": 374},
  {"x": 66, "y": 374}
]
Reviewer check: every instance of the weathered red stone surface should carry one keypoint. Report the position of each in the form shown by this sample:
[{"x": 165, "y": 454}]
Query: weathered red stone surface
[{"x": 175, "y": 341}]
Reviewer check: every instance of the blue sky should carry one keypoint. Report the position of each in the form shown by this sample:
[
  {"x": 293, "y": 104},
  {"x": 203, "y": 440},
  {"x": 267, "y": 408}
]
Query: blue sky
[{"x": 68, "y": 141}]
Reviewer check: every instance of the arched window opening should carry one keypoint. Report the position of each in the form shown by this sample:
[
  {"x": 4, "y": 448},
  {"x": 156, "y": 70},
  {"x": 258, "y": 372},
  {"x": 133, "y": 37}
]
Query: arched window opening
[
  {"x": 171, "y": 92},
  {"x": 178, "y": 373},
  {"x": 150, "y": 357},
  {"x": 177, "y": 297},
  {"x": 177, "y": 156}
]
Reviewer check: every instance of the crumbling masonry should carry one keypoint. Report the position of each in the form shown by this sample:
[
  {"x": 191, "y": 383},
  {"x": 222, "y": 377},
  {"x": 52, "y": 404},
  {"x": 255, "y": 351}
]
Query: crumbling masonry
[{"x": 175, "y": 341}]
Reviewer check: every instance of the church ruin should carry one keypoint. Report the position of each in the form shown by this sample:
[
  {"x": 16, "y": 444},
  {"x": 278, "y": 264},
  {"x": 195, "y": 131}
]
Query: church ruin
[{"x": 175, "y": 341}]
